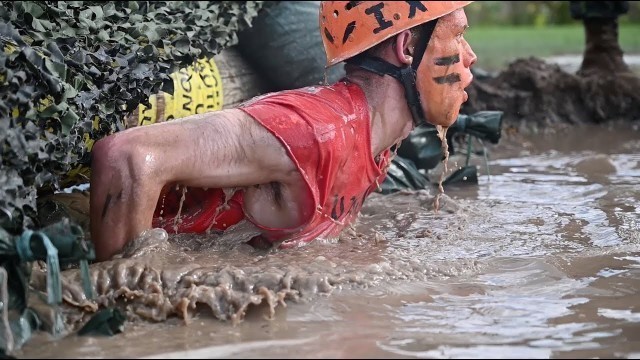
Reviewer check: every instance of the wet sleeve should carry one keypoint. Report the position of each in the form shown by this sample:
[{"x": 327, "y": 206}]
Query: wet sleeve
[{"x": 297, "y": 136}]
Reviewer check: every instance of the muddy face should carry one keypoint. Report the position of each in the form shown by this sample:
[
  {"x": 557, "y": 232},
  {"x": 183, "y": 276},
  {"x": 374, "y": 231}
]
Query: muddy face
[{"x": 445, "y": 72}]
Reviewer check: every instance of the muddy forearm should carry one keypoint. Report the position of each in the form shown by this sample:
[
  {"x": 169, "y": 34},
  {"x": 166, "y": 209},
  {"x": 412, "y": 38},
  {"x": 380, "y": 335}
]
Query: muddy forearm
[
  {"x": 108, "y": 225},
  {"x": 122, "y": 201}
]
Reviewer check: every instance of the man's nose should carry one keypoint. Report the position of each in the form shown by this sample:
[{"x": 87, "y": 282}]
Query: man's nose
[{"x": 470, "y": 57}]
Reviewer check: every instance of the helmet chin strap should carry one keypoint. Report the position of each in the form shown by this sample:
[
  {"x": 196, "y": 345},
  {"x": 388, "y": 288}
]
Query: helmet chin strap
[{"x": 405, "y": 74}]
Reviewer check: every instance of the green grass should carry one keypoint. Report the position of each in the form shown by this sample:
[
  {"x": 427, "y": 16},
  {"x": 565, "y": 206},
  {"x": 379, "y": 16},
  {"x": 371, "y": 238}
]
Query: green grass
[{"x": 497, "y": 46}]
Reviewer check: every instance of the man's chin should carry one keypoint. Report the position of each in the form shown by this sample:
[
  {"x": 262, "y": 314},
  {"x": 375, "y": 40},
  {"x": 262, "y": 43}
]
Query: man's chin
[{"x": 446, "y": 121}]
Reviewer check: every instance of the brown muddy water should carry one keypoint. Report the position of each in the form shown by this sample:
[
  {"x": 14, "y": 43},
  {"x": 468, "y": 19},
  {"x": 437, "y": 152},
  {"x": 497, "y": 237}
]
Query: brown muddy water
[{"x": 541, "y": 259}]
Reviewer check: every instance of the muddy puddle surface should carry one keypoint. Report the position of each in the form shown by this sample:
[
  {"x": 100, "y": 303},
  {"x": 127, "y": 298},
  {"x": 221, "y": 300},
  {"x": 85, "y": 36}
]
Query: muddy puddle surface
[{"x": 541, "y": 259}]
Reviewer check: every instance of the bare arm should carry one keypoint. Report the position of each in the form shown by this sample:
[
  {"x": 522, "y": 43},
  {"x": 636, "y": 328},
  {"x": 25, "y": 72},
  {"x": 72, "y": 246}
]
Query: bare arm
[{"x": 219, "y": 149}]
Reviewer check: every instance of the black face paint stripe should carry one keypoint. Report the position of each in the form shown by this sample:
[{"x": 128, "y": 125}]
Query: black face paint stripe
[
  {"x": 348, "y": 31},
  {"x": 447, "y": 79},
  {"x": 447, "y": 60}
]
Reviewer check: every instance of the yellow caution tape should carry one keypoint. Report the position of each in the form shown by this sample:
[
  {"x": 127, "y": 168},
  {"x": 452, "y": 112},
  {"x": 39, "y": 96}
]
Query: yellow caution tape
[{"x": 197, "y": 89}]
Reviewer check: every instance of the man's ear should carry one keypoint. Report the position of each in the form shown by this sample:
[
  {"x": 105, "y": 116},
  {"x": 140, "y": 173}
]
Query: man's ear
[{"x": 404, "y": 47}]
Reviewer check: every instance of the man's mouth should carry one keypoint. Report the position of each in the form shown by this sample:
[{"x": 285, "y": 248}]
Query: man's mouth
[{"x": 466, "y": 96}]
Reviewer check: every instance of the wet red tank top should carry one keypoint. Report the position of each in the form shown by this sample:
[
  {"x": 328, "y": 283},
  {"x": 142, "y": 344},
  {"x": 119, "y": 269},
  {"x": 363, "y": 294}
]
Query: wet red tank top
[{"x": 326, "y": 132}]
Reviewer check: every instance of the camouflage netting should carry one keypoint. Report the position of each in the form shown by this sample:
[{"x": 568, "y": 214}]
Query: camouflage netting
[{"x": 71, "y": 71}]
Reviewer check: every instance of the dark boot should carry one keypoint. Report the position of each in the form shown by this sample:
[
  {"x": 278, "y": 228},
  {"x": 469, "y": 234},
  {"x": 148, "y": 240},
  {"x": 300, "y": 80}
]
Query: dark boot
[{"x": 602, "y": 54}]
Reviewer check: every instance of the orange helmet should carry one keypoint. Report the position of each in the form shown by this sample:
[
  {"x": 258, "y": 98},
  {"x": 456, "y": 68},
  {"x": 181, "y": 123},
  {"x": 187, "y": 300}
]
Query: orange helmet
[{"x": 351, "y": 27}]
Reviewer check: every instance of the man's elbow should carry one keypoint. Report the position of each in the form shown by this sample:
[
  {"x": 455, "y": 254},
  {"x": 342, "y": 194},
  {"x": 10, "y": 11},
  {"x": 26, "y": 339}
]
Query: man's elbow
[
  {"x": 120, "y": 177},
  {"x": 119, "y": 158}
]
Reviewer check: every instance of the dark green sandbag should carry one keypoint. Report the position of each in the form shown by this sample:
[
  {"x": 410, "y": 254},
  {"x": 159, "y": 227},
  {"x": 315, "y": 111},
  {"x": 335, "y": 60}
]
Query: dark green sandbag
[
  {"x": 402, "y": 175},
  {"x": 422, "y": 151},
  {"x": 484, "y": 125},
  {"x": 465, "y": 175},
  {"x": 424, "y": 148}
]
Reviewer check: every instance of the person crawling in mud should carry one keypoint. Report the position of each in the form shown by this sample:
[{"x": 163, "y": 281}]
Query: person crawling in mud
[{"x": 297, "y": 164}]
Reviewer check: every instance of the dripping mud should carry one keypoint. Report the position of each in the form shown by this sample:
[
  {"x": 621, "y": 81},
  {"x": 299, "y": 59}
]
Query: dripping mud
[{"x": 157, "y": 277}]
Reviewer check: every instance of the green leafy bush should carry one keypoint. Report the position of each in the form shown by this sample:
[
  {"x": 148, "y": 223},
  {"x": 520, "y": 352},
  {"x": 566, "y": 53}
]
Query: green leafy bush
[{"x": 71, "y": 71}]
